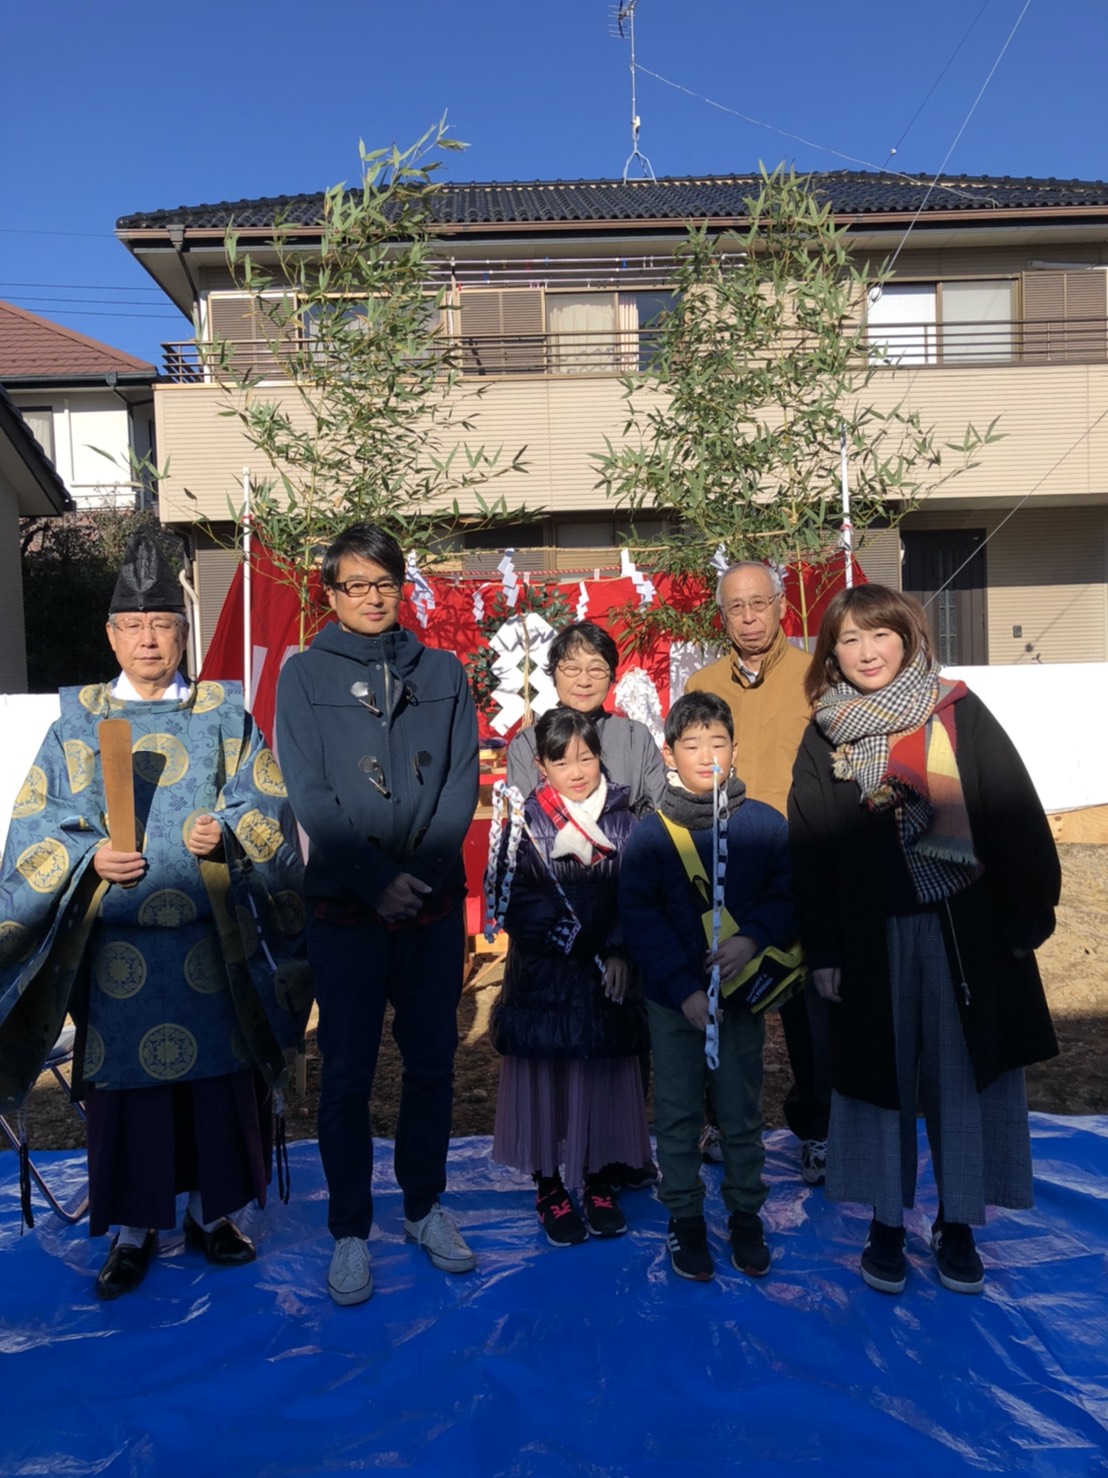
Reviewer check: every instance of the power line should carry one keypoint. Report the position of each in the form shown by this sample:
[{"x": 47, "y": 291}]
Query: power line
[
  {"x": 117, "y": 302},
  {"x": 36, "y": 231},
  {"x": 97, "y": 313},
  {"x": 97, "y": 287},
  {"x": 938, "y": 79},
  {"x": 958, "y": 135},
  {"x": 799, "y": 138},
  {"x": 1088, "y": 431}
]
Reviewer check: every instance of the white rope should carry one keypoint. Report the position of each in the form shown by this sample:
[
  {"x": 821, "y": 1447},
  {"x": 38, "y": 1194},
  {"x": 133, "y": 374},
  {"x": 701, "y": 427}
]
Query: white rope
[{"x": 719, "y": 877}]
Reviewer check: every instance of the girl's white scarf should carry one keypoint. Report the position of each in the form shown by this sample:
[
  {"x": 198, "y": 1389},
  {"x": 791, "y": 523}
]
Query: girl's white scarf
[{"x": 584, "y": 838}]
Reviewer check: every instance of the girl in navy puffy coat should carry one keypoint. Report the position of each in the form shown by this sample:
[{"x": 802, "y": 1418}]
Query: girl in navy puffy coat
[{"x": 570, "y": 1099}]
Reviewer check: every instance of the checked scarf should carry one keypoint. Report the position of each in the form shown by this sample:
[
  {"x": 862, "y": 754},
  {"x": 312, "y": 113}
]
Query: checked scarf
[
  {"x": 579, "y": 835},
  {"x": 899, "y": 746}
]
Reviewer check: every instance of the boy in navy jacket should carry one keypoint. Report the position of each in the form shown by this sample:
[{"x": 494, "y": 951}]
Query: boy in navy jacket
[{"x": 661, "y": 910}]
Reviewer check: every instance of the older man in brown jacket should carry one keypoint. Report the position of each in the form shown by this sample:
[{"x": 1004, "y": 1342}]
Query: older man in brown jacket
[{"x": 762, "y": 681}]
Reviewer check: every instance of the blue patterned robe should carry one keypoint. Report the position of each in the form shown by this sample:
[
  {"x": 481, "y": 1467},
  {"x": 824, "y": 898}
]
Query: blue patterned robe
[{"x": 198, "y": 970}]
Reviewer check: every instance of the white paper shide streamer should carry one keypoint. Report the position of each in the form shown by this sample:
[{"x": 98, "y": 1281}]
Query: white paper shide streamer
[
  {"x": 423, "y": 597},
  {"x": 509, "y": 579},
  {"x": 520, "y": 648},
  {"x": 644, "y": 586}
]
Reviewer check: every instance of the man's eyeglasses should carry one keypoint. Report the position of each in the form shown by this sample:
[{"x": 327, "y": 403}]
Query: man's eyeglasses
[
  {"x": 357, "y": 589},
  {"x": 755, "y": 606},
  {"x": 597, "y": 674},
  {"x": 159, "y": 625}
]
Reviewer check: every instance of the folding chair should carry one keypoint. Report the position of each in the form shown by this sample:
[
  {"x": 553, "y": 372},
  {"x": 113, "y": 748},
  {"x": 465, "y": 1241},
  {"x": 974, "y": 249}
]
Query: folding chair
[{"x": 61, "y": 1056}]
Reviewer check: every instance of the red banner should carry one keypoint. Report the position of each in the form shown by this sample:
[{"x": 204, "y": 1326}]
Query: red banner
[{"x": 277, "y": 629}]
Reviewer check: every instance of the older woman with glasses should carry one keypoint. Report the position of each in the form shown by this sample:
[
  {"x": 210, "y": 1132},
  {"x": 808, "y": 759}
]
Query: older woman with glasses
[{"x": 582, "y": 662}]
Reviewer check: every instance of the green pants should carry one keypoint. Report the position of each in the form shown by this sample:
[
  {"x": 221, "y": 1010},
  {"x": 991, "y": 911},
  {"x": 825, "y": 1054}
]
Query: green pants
[{"x": 735, "y": 1088}]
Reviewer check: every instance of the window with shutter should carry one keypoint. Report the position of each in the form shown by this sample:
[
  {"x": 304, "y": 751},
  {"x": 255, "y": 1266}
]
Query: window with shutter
[
  {"x": 501, "y": 330},
  {"x": 258, "y": 331},
  {"x": 1064, "y": 316}
]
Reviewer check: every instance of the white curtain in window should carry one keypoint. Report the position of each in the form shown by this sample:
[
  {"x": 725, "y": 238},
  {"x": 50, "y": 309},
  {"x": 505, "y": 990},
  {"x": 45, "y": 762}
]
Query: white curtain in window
[
  {"x": 627, "y": 313},
  {"x": 40, "y": 422},
  {"x": 977, "y": 320},
  {"x": 901, "y": 323},
  {"x": 582, "y": 331}
]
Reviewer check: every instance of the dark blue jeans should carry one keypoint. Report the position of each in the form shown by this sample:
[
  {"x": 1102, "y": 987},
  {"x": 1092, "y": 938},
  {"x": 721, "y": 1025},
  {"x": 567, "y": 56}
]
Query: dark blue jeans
[{"x": 359, "y": 968}]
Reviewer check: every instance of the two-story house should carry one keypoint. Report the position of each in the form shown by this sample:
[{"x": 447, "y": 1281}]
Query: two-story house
[
  {"x": 997, "y": 307},
  {"x": 81, "y": 399}
]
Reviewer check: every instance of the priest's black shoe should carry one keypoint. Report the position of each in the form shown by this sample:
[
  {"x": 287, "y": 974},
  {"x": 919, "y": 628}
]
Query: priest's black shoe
[
  {"x": 125, "y": 1268},
  {"x": 224, "y": 1245}
]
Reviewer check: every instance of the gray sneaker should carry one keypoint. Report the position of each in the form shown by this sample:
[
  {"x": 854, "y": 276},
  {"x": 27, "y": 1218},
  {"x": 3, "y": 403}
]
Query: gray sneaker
[
  {"x": 440, "y": 1238},
  {"x": 350, "y": 1280}
]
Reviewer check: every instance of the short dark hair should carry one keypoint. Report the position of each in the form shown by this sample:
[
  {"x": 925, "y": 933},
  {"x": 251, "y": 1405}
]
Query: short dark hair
[
  {"x": 871, "y": 606},
  {"x": 698, "y": 711},
  {"x": 558, "y": 726},
  {"x": 364, "y": 541},
  {"x": 586, "y": 635}
]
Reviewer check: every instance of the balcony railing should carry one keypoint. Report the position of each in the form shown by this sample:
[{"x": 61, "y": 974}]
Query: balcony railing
[{"x": 624, "y": 351}]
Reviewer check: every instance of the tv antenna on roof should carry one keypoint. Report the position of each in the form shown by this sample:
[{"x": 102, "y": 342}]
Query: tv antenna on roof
[{"x": 624, "y": 16}]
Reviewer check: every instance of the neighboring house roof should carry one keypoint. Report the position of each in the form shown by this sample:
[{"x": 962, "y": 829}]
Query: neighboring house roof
[
  {"x": 564, "y": 202},
  {"x": 34, "y": 350},
  {"x": 25, "y": 465}
]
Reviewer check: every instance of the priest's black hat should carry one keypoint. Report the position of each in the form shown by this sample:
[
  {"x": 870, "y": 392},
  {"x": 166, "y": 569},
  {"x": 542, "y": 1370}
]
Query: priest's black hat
[{"x": 148, "y": 581}]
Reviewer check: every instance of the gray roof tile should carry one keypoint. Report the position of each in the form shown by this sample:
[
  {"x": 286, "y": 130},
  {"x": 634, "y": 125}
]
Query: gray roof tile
[{"x": 566, "y": 202}]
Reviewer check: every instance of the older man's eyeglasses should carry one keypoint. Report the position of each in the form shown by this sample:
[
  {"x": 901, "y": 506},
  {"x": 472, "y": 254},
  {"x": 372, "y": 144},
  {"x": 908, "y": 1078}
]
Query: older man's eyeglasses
[
  {"x": 756, "y": 605},
  {"x": 596, "y": 674},
  {"x": 159, "y": 625},
  {"x": 358, "y": 589}
]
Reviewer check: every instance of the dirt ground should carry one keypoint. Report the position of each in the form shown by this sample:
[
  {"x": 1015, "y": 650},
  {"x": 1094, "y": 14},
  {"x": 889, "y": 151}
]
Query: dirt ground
[{"x": 1074, "y": 965}]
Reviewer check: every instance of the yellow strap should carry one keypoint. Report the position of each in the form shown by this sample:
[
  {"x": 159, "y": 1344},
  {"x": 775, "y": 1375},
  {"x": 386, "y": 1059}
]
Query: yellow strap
[{"x": 681, "y": 837}]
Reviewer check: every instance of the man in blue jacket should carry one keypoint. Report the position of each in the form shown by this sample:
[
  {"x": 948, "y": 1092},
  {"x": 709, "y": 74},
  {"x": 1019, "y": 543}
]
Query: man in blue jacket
[{"x": 378, "y": 740}]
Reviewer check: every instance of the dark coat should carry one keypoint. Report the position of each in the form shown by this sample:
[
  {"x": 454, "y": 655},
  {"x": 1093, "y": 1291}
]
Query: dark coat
[
  {"x": 552, "y": 1004},
  {"x": 661, "y": 909},
  {"x": 420, "y": 748},
  {"x": 841, "y": 853}
]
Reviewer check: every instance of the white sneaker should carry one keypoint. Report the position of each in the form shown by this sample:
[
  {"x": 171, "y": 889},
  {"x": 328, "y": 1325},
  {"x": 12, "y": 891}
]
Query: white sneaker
[
  {"x": 813, "y": 1161},
  {"x": 350, "y": 1280},
  {"x": 437, "y": 1234}
]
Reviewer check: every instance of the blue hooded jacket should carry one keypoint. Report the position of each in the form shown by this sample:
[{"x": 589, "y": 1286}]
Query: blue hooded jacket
[{"x": 378, "y": 743}]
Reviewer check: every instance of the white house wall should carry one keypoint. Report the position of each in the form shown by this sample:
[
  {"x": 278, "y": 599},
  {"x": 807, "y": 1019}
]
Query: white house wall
[{"x": 84, "y": 420}]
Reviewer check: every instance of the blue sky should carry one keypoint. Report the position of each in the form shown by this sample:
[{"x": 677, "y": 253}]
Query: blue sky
[{"x": 125, "y": 107}]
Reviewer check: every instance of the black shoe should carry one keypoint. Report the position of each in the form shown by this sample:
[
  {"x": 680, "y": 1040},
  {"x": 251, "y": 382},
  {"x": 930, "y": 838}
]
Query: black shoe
[
  {"x": 749, "y": 1252},
  {"x": 629, "y": 1177},
  {"x": 959, "y": 1265},
  {"x": 558, "y": 1216},
  {"x": 124, "y": 1268},
  {"x": 884, "y": 1266},
  {"x": 687, "y": 1240},
  {"x": 603, "y": 1216},
  {"x": 224, "y": 1245}
]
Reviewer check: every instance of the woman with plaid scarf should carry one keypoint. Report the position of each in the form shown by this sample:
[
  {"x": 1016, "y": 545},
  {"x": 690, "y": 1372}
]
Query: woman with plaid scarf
[{"x": 925, "y": 876}]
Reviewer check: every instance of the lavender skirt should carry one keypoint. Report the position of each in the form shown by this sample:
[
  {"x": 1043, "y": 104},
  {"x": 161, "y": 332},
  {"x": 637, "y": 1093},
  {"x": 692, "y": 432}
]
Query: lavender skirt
[{"x": 570, "y": 1116}]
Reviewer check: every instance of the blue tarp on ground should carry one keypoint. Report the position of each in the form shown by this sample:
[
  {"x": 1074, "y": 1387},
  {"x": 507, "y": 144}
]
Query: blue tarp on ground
[{"x": 589, "y": 1361}]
